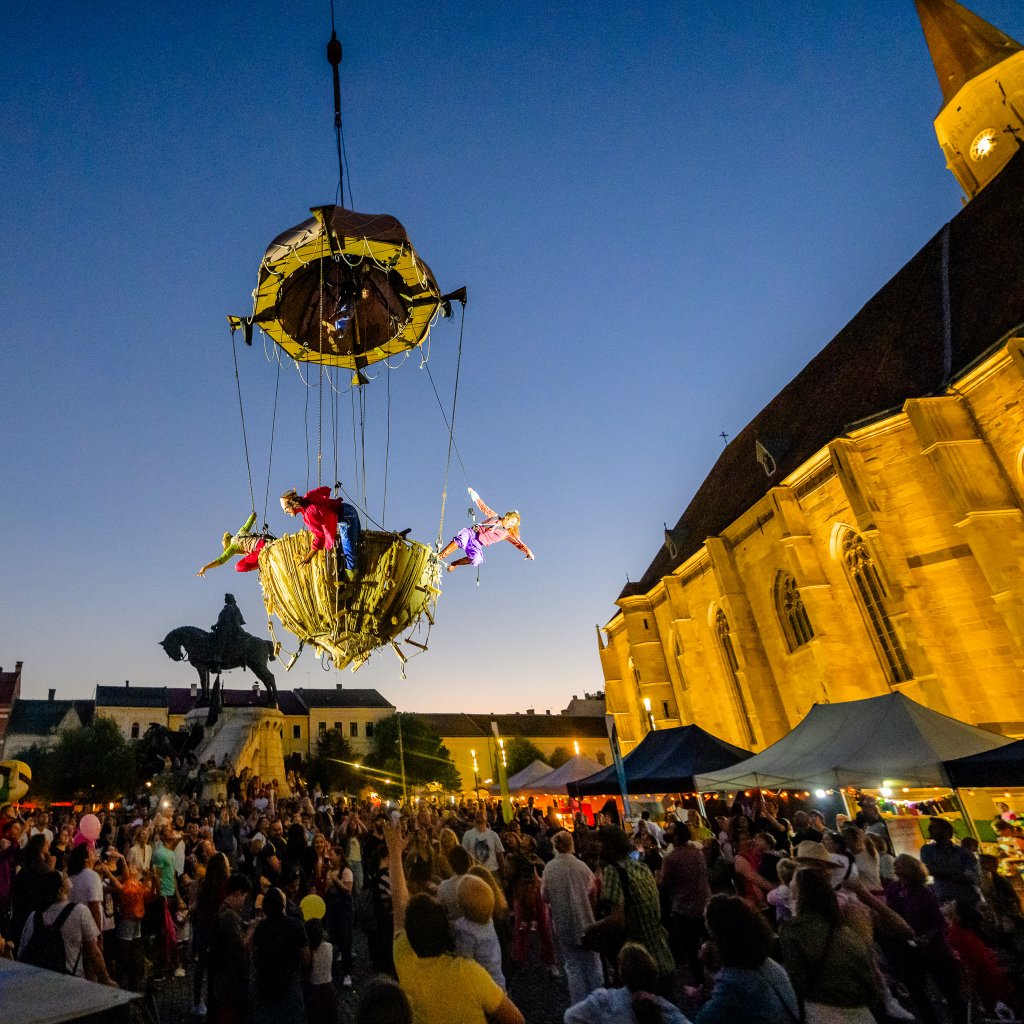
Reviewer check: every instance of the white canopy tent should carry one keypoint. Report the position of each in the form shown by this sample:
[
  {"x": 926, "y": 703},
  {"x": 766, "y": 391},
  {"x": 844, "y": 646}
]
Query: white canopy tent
[
  {"x": 534, "y": 770},
  {"x": 880, "y": 741},
  {"x": 557, "y": 781}
]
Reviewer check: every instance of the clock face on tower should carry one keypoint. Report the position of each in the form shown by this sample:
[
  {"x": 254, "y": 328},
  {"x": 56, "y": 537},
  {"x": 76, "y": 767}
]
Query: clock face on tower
[{"x": 984, "y": 143}]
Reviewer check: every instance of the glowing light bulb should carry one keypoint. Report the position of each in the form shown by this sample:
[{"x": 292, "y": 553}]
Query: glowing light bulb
[{"x": 820, "y": 794}]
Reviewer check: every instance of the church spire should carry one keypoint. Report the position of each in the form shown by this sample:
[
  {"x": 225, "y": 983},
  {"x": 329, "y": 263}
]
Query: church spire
[
  {"x": 981, "y": 71},
  {"x": 962, "y": 45}
]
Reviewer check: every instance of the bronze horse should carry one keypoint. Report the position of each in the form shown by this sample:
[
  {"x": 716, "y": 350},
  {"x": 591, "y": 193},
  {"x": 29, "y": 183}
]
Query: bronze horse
[{"x": 198, "y": 647}]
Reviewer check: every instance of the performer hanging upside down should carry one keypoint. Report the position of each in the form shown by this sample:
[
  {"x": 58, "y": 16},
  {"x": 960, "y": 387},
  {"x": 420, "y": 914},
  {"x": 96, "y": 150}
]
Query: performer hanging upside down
[
  {"x": 242, "y": 543},
  {"x": 324, "y": 517},
  {"x": 473, "y": 539}
]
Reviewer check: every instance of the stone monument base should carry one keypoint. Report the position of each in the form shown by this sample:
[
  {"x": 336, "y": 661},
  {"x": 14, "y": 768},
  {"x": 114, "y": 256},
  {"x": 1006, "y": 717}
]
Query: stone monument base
[{"x": 250, "y": 737}]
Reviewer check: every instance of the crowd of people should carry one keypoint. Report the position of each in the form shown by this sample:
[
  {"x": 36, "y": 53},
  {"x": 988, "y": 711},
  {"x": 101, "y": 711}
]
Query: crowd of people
[{"x": 743, "y": 916}]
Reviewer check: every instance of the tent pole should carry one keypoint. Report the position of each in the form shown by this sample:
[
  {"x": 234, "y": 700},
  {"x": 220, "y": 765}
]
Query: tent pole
[
  {"x": 968, "y": 820},
  {"x": 701, "y": 807}
]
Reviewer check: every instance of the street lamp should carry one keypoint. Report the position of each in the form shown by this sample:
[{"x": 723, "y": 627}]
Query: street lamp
[
  {"x": 650, "y": 715},
  {"x": 576, "y": 747}
]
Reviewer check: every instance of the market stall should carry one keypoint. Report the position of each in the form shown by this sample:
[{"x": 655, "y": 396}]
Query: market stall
[
  {"x": 888, "y": 745},
  {"x": 665, "y": 761}
]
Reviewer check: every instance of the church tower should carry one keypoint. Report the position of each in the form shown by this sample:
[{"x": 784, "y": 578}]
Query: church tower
[{"x": 981, "y": 73}]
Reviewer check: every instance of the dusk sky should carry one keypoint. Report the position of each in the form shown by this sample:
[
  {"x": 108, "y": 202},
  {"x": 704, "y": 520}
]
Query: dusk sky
[{"x": 661, "y": 211}]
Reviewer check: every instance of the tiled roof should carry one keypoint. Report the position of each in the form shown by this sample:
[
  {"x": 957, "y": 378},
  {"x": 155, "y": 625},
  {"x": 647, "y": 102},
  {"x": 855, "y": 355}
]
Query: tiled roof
[
  {"x": 180, "y": 700},
  {"x": 10, "y": 685},
  {"x": 131, "y": 696},
  {"x": 38, "y": 717},
  {"x": 342, "y": 698},
  {"x": 892, "y": 350},
  {"x": 530, "y": 726}
]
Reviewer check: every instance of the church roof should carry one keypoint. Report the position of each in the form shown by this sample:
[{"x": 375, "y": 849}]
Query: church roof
[
  {"x": 962, "y": 45},
  {"x": 895, "y": 348}
]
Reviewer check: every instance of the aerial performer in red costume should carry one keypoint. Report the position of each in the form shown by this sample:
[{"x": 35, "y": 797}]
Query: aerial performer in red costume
[
  {"x": 324, "y": 517},
  {"x": 242, "y": 543},
  {"x": 473, "y": 539}
]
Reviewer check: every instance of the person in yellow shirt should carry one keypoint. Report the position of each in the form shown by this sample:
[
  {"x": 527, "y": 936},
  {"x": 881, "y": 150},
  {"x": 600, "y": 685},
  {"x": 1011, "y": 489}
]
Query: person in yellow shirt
[{"x": 441, "y": 987}]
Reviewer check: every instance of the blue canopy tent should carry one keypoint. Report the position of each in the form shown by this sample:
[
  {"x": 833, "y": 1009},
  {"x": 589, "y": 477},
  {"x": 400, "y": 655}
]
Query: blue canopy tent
[
  {"x": 1001, "y": 767},
  {"x": 665, "y": 761}
]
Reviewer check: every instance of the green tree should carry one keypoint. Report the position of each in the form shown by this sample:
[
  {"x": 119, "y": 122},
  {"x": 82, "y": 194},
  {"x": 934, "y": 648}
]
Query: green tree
[
  {"x": 559, "y": 756},
  {"x": 94, "y": 763},
  {"x": 427, "y": 759},
  {"x": 520, "y": 753},
  {"x": 328, "y": 767}
]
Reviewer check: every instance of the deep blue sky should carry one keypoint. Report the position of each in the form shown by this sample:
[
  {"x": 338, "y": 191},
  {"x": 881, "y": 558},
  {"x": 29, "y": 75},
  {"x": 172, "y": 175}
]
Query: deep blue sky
[{"x": 661, "y": 212}]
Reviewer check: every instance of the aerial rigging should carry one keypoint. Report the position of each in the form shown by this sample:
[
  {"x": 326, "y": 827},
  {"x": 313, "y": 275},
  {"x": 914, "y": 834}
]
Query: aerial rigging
[{"x": 343, "y": 290}]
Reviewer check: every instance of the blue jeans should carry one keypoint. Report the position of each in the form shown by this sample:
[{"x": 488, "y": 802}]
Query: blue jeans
[
  {"x": 582, "y": 972},
  {"x": 348, "y": 534}
]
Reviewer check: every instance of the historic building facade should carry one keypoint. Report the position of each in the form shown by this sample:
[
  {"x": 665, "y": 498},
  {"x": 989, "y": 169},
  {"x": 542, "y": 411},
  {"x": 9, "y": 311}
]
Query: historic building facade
[{"x": 865, "y": 532}]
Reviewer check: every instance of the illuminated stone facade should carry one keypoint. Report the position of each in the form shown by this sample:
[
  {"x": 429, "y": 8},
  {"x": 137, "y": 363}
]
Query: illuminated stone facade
[{"x": 865, "y": 532}]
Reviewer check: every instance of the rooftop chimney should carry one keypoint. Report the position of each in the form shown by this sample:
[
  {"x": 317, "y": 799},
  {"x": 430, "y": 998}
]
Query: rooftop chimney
[
  {"x": 126, "y": 684},
  {"x": 548, "y": 712},
  {"x": 192, "y": 690},
  {"x": 50, "y": 694},
  {"x": 530, "y": 711},
  {"x": 339, "y": 686},
  {"x": 255, "y": 687}
]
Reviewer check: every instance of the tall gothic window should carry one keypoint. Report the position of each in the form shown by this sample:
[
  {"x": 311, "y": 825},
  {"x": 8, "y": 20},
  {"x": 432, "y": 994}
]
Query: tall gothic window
[
  {"x": 789, "y": 606},
  {"x": 135, "y": 730},
  {"x": 732, "y": 667},
  {"x": 872, "y": 598}
]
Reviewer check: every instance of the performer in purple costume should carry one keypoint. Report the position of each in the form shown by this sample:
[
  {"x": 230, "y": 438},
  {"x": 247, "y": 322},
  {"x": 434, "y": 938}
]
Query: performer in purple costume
[{"x": 473, "y": 539}]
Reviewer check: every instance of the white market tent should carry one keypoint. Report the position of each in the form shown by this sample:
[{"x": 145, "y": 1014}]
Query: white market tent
[
  {"x": 557, "y": 781},
  {"x": 534, "y": 770},
  {"x": 886, "y": 740}
]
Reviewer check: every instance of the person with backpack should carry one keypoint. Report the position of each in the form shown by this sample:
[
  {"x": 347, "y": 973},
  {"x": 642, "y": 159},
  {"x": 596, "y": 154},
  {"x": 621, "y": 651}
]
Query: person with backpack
[{"x": 61, "y": 936}]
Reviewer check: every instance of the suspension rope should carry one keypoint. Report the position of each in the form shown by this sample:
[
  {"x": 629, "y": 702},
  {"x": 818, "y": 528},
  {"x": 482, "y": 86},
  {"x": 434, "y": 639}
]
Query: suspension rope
[
  {"x": 273, "y": 431},
  {"x": 241, "y": 413},
  {"x": 451, "y": 426},
  {"x": 355, "y": 448},
  {"x": 362, "y": 435},
  {"x": 305, "y": 418},
  {"x": 334, "y": 59},
  {"x": 387, "y": 446}
]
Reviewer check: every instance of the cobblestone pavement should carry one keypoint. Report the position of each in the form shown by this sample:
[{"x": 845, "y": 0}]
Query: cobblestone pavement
[{"x": 541, "y": 997}]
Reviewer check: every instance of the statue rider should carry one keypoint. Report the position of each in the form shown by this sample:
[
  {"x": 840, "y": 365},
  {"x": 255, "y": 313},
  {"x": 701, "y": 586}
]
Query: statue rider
[{"x": 227, "y": 632}]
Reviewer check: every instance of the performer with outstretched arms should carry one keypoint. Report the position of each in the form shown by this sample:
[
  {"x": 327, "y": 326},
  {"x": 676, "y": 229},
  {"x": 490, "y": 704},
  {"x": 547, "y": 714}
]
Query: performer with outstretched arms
[
  {"x": 242, "y": 543},
  {"x": 473, "y": 539}
]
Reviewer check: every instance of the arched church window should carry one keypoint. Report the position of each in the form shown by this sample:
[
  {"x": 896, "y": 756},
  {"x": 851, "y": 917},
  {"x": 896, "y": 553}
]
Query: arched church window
[
  {"x": 873, "y": 600},
  {"x": 732, "y": 668},
  {"x": 135, "y": 730},
  {"x": 789, "y": 606}
]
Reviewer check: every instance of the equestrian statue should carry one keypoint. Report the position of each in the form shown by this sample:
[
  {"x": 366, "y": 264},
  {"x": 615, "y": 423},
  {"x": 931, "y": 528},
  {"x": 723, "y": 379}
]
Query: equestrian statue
[{"x": 227, "y": 646}]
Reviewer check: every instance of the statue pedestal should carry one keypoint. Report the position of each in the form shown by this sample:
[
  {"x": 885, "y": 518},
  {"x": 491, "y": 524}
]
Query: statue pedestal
[
  {"x": 215, "y": 784},
  {"x": 251, "y": 737}
]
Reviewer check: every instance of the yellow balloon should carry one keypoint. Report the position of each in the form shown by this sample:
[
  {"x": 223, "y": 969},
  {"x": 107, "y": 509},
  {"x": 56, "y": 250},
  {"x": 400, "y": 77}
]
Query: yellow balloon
[{"x": 313, "y": 908}]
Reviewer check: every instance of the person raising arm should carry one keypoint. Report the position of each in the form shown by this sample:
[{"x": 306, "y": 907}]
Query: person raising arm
[{"x": 441, "y": 987}]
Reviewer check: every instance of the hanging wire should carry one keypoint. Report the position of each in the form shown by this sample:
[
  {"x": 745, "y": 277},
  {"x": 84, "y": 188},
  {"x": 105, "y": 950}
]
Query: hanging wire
[
  {"x": 355, "y": 448},
  {"x": 273, "y": 430},
  {"x": 241, "y": 413},
  {"x": 362, "y": 435},
  {"x": 451, "y": 427},
  {"x": 305, "y": 418},
  {"x": 387, "y": 447}
]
